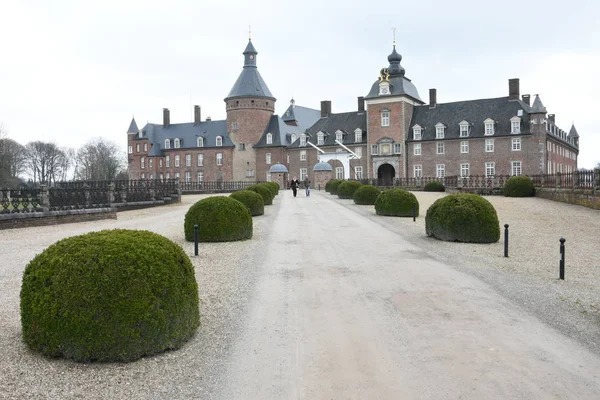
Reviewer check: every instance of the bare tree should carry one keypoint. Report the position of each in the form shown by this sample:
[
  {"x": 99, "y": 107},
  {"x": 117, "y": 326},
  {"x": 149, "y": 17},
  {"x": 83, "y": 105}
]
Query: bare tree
[
  {"x": 12, "y": 159},
  {"x": 99, "y": 159},
  {"x": 45, "y": 161}
]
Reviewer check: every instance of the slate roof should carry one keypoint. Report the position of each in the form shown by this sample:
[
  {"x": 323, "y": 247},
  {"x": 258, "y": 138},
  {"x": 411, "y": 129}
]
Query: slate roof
[
  {"x": 573, "y": 132},
  {"x": 250, "y": 83},
  {"x": 346, "y": 122},
  {"x": 133, "y": 128},
  {"x": 475, "y": 112},
  {"x": 282, "y": 133},
  {"x": 188, "y": 134},
  {"x": 305, "y": 117},
  {"x": 399, "y": 85},
  {"x": 537, "y": 106}
]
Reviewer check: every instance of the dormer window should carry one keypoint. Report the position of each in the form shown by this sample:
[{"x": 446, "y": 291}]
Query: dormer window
[
  {"x": 489, "y": 127},
  {"x": 219, "y": 141},
  {"x": 357, "y": 136},
  {"x": 440, "y": 131},
  {"x": 269, "y": 138},
  {"x": 167, "y": 144},
  {"x": 339, "y": 136},
  {"x": 293, "y": 137},
  {"x": 385, "y": 118},
  {"x": 320, "y": 138},
  {"x": 515, "y": 125},
  {"x": 464, "y": 129},
  {"x": 303, "y": 140},
  {"x": 417, "y": 132},
  {"x": 176, "y": 143},
  {"x": 200, "y": 142}
]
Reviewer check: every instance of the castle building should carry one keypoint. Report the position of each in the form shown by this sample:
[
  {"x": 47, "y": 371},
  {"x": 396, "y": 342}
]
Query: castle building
[{"x": 392, "y": 134}]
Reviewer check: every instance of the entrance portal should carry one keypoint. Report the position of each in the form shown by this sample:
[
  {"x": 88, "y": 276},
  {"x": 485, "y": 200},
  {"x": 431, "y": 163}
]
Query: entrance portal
[{"x": 385, "y": 175}]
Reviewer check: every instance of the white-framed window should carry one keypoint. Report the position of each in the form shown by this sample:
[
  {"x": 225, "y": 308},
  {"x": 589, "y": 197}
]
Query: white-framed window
[
  {"x": 490, "y": 169},
  {"x": 358, "y": 151},
  {"x": 302, "y": 155},
  {"x": 188, "y": 160},
  {"x": 200, "y": 141},
  {"x": 161, "y": 177},
  {"x": 374, "y": 149},
  {"x": 145, "y": 146},
  {"x": 515, "y": 168},
  {"x": 130, "y": 149},
  {"x": 339, "y": 136},
  {"x": 143, "y": 176},
  {"x": 168, "y": 161},
  {"x": 219, "y": 141},
  {"x": 269, "y": 138},
  {"x": 418, "y": 171},
  {"x": 242, "y": 147},
  {"x": 219, "y": 158},
  {"x": 287, "y": 158},
  {"x": 249, "y": 173},
  {"x": 176, "y": 143},
  {"x": 441, "y": 148},
  {"x": 358, "y": 172},
  {"x": 516, "y": 144},
  {"x": 269, "y": 179},
  {"x": 440, "y": 130},
  {"x": 385, "y": 118},
  {"x": 143, "y": 162},
  {"x": 489, "y": 127},
  {"x": 302, "y": 140},
  {"x": 303, "y": 173},
  {"x": 177, "y": 175},
  {"x": 234, "y": 126},
  {"x": 464, "y": 170},
  {"x": 464, "y": 146},
  {"x": 440, "y": 170},
  {"x": 200, "y": 160},
  {"x": 464, "y": 129},
  {"x": 339, "y": 172},
  {"x": 137, "y": 148},
  {"x": 268, "y": 158},
  {"x": 160, "y": 163},
  {"x": 489, "y": 145},
  {"x": 177, "y": 161},
  {"x": 150, "y": 162},
  {"x": 417, "y": 132},
  {"x": 358, "y": 136},
  {"x": 397, "y": 148},
  {"x": 188, "y": 177},
  {"x": 320, "y": 138},
  {"x": 200, "y": 177},
  {"x": 417, "y": 149},
  {"x": 515, "y": 125},
  {"x": 167, "y": 144}
]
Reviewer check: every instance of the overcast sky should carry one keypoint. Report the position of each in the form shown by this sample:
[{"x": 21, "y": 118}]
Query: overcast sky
[{"x": 74, "y": 70}]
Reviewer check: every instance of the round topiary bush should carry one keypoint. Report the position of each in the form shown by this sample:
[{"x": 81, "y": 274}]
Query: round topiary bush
[
  {"x": 463, "y": 217},
  {"x": 434, "y": 186},
  {"x": 328, "y": 185},
  {"x": 366, "y": 195},
  {"x": 519, "y": 186},
  {"x": 333, "y": 186},
  {"x": 265, "y": 191},
  {"x": 219, "y": 219},
  {"x": 274, "y": 187},
  {"x": 250, "y": 199},
  {"x": 113, "y": 295},
  {"x": 346, "y": 189},
  {"x": 397, "y": 203}
]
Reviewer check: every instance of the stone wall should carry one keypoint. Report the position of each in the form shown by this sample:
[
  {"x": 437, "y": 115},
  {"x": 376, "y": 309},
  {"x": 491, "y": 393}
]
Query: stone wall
[
  {"x": 24, "y": 220},
  {"x": 582, "y": 197}
]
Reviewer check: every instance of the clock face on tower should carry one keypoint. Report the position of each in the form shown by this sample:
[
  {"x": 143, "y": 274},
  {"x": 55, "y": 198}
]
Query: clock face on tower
[{"x": 251, "y": 57}]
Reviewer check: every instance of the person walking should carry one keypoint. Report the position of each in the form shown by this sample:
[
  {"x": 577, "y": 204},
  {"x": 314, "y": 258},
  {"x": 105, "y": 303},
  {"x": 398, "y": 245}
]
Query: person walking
[
  {"x": 307, "y": 185},
  {"x": 294, "y": 185}
]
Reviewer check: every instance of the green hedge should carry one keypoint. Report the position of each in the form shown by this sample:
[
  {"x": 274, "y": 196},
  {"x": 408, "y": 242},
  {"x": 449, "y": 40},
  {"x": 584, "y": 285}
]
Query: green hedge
[
  {"x": 274, "y": 187},
  {"x": 265, "y": 191},
  {"x": 219, "y": 219},
  {"x": 346, "y": 189},
  {"x": 397, "y": 203},
  {"x": 333, "y": 186},
  {"x": 519, "y": 186},
  {"x": 366, "y": 195},
  {"x": 463, "y": 218},
  {"x": 112, "y": 295},
  {"x": 250, "y": 199},
  {"x": 434, "y": 186}
]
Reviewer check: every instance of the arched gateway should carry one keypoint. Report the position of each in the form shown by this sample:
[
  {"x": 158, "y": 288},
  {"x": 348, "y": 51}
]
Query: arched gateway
[{"x": 386, "y": 175}]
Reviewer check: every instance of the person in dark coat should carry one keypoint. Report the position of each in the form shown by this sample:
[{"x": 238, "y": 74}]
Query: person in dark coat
[{"x": 294, "y": 185}]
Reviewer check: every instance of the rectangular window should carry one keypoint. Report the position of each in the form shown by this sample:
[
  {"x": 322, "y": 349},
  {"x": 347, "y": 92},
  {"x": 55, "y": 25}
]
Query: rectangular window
[
  {"x": 143, "y": 162},
  {"x": 418, "y": 171},
  {"x": 130, "y": 149},
  {"x": 303, "y": 173},
  {"x": 200, "y": 177},
  {"x": 303, "y": 155},
  {"x": 160, "y": 163},
  {"x": 358, "y": 151},
  {"x": 168, "y": 161},
  {"x": 143, "y": 176},
  {"x": 219, "y": 141},
  {"x": 168, "y": 176},
  {"x": 397, "y": 148},
  {"x": 287, "y": 158},
  {"x": 464, "y": 146},
  {"x": 145, "y": 146},
  {"x": 188, "y": 177},
  {"x": 515, "y": 169},
  {"x": 137, "y": 148},
  {"x": 464, "y": 131},
  {"x": 200, "y": 160},
  {"x": 440, "y": 148},
  {"x": 439, "y": 132},
  {"x": 489, "y": 129},
  {"x": 161, "y": 177},
  {"x": 320, "y": 139},
  {"x": 440, "y": 170},
  {"x": 268, "y": 158},
  {"x": 339, "y": 137},
  {"x": 339, "y": 172},
  {"x": 417, "y": 149},
  {"x": 464, "y": 170},
  {"x": 417, "y": 134},
  {"x": 302, "y": 140},
  {"x": 242, "y": 146},
  {"x": 385, "y": 118},
  {"x": 150, "y": 162},
  {"x": 188, "y": 160},
  {"x": 515, "y": 127},
  {"x": 489, "y": 145},
  {"x": 177, "y": 160},
  {"x": 249, "y": 173},
  {"x": 358, "y": 172},
  {"x": 219, "y": 158},
  {"x": 374, "y": 149},
  {"x": 490, "y": 169},
  {"x": 516, "y": 144},
  {"x": 234, "y": 125},
  {"x": 358, "y": 137},
  {"x": 269, "y": 177},
  {"x": 177, "y": 175}
]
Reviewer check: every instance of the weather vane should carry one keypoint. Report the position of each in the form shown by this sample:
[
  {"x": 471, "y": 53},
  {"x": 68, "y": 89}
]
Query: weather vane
[
  {"x": 249, "y": 32},
  {"x": 394, "y": 34}
]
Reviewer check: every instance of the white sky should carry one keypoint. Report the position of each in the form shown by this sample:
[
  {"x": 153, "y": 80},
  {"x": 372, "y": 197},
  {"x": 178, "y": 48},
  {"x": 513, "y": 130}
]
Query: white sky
[{"x": 73, "y": 70}]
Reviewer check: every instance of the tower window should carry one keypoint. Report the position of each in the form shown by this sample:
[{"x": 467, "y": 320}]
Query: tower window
[{"x": 385, "y": 118}]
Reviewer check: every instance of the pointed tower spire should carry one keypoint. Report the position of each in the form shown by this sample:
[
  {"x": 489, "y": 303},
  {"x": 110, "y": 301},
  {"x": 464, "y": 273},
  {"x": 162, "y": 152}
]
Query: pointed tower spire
[
  {"x": 250, "y": 83},
  {"x": 537, "y": 107},
  {"x": 133, "y": 128},
  {"x": 573, "y": 132}
]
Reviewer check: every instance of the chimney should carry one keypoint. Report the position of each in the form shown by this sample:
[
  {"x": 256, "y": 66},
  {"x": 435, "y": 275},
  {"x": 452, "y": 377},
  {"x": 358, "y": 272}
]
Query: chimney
[
  {"x": 432, "y": 97},
  {"x": 361, "y": 104},
  {"x": 551, "y": 118},
  {"x": 166, "y": 117},
  {"x": 208, "y": 119},
  {"x": 197, "y": 115},
  {"x": 513, "y": 89},
  {"x": 526, "y": 99},
  {"x": 325, "y": 108}
]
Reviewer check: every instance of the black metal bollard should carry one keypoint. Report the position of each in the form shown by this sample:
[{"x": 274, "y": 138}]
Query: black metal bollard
[
  {"x": 196, "y": 239},
  {"x": 414, "y": 211},
  {"x": 505, "y": 240},
  {"x": 562, "y": 259}
]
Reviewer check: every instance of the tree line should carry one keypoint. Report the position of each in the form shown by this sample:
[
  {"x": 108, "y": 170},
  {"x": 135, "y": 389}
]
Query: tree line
[{"x": 40, "y": 162}]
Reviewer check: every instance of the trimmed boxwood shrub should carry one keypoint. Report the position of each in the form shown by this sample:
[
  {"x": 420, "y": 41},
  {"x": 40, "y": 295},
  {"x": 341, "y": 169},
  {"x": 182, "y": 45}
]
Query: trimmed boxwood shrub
[
  {"x": 463, "y": 217},
  {"x": 265, "y": 191},
  {"x": 434, "y": 186},
  {"x": 333, "y": 186},
  {"x": 219, "y": 219},
  {"x": 366, "y": 195},
  {"x": 396, "y": 202},
  {"x": 274, "y": 187},
  {"x": 328, "y": 185},
  {"x": 250, "y": 199},
  {"x": 519, "y": 186},
  {"x": 113, "y": 295},
  {"x": 346, "y": 189}
]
